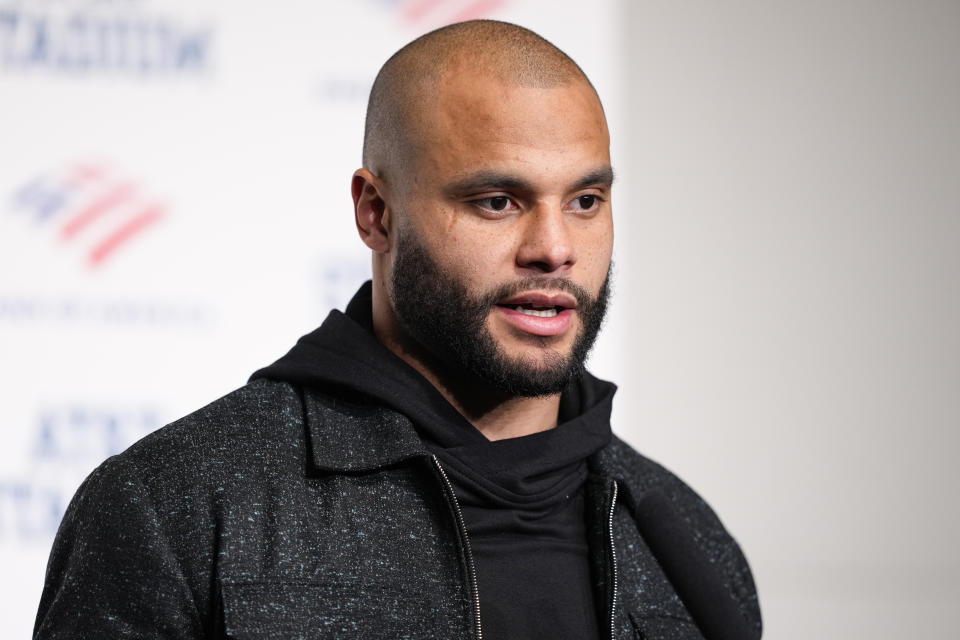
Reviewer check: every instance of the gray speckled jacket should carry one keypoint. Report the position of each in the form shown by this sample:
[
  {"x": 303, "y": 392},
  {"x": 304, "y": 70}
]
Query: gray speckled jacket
[{"x": 282, "y": 512}]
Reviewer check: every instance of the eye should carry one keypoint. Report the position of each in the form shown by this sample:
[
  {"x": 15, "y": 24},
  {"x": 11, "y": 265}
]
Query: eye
[
  {"x": 586, "y": 202},
  {"x": 496, "y": 204},
  {"x": 499, "y": 203}
]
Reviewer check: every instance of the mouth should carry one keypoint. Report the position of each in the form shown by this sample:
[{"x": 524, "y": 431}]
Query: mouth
[
  {"x": 535, "y": 311},
  {"x": 538, "y": 313},
  {"x": 539, "y": 304},
  {"x": 548, "y": 312}
]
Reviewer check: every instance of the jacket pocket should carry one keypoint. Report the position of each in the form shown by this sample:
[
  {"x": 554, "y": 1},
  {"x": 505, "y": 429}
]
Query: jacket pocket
[{"x": 298, "y": 611}]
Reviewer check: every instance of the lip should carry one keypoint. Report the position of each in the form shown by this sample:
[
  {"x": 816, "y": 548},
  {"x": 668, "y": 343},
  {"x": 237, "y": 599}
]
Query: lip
[
  {"x": 542, "y": 299},
  {"x": 535, "y": 325}
]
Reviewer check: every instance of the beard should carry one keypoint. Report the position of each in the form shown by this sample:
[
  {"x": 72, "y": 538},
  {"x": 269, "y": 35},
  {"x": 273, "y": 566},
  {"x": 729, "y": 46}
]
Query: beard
[{"x": 439, "y": 312}]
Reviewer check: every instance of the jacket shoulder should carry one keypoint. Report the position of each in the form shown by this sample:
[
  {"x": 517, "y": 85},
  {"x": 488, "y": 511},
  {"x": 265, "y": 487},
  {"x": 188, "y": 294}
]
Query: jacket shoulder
[
  {"x": 136, "y": 547},
  {"x": 639, "y": 475},
  {"x": 260, "y": 420}
]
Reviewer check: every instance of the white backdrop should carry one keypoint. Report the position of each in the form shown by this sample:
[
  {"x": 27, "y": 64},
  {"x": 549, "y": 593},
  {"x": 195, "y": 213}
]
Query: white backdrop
[
  {"x": 792, "y": 206},
  {"x": 175, "y": 212}
]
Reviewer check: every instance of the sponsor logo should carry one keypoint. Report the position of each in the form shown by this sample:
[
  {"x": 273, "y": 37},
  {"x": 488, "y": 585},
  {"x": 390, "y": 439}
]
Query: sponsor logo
[
  {"x": 113, "y": 37},
  {"x": 417, "y": 15},
  {"x": 33, "y": 311},
  {"x": 29, "y": 512},
  {"x": 91, "y": 206},
  {"x": 84, "y": 435}
]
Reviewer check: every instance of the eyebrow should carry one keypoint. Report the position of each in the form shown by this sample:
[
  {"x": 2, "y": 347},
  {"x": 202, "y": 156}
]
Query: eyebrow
[
  {"x": 599, "y": 177},
  {"x": 488, "y": 181},
  {"x": 497, "y": 181}
]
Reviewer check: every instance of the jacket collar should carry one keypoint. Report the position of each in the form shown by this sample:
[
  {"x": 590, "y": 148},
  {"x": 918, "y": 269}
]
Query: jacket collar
[
  {"x": 346, "y": 437},
  {"x": 350, "y": 437}
]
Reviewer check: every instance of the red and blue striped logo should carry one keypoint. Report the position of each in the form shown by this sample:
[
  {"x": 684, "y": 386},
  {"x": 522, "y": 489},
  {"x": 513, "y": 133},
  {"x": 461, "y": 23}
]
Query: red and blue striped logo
[{"x": 90, "y": 205}]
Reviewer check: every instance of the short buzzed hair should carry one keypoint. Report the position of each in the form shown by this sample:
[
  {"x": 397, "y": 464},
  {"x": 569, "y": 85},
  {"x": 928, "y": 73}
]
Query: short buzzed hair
[{"x": 505, "y": 51}]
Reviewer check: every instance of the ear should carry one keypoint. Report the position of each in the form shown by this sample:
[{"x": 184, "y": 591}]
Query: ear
[{"x": 370, "y": 210}]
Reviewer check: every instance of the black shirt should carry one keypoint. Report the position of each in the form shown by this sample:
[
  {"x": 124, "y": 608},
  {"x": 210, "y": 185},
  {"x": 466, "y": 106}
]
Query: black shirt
[{"x": 522, "y": 501}]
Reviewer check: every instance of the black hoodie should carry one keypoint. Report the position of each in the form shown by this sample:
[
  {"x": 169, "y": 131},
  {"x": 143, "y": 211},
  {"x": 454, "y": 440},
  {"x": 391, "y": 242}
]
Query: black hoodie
[{"x": 522, "y": 498}]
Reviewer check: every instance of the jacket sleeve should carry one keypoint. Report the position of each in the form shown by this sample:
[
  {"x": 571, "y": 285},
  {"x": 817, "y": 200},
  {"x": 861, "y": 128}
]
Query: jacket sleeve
[
  {"x": 112, "y": 572},
  {"x": 719, "y": 547}
]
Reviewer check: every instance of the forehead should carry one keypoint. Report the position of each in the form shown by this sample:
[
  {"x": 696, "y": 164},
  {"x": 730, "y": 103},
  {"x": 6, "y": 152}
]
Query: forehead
[{"x": 475, "y": 121}]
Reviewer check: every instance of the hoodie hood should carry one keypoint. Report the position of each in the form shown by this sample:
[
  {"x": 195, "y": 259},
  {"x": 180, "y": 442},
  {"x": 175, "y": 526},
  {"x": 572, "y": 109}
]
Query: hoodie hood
[{"x": 344, "y": 356}]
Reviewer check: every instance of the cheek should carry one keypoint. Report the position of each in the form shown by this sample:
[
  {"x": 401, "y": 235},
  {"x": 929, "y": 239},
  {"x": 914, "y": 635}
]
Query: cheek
[
  {"x": 474, "y": 264},
  {"x": 595, "y": 249},
  {"x": 477, "y": 253}
]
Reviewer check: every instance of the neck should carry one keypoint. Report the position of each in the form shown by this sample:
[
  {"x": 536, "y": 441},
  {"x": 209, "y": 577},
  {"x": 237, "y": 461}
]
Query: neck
[{"x": 494, "y": 415}]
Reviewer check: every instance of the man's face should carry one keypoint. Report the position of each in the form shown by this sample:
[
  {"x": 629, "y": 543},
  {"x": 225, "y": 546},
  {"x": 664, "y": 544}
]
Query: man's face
[
  {"x": 438, "y": 310},
  {"x": 503, "y": 232}
]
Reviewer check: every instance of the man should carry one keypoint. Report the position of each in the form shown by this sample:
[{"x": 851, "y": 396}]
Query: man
[{"x": 433, "y": 463}]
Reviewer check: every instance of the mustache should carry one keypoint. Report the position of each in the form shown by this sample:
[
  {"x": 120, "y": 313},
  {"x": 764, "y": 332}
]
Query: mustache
[{"x": 539, "y": 283}]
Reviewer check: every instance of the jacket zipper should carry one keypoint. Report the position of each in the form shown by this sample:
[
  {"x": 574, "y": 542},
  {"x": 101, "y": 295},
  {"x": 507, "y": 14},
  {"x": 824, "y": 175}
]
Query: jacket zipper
[
  {"x": 613, "y": 562},
  {"x": 471, "y": 567}
]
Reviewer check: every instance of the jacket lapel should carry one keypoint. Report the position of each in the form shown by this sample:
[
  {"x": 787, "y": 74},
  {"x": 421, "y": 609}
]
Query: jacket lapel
[{"x": 347, "y": 437}]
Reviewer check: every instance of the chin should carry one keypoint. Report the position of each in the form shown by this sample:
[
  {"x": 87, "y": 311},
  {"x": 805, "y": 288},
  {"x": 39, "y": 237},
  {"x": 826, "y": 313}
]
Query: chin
[{"x": 537, "y": 359}]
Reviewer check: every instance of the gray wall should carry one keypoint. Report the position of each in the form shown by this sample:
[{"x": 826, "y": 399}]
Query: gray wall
[{"x": 789, "y": 252}]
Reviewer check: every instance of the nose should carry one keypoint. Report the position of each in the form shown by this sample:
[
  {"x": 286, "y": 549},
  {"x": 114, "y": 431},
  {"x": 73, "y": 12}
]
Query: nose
[{"x": 546, "y": 245}]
